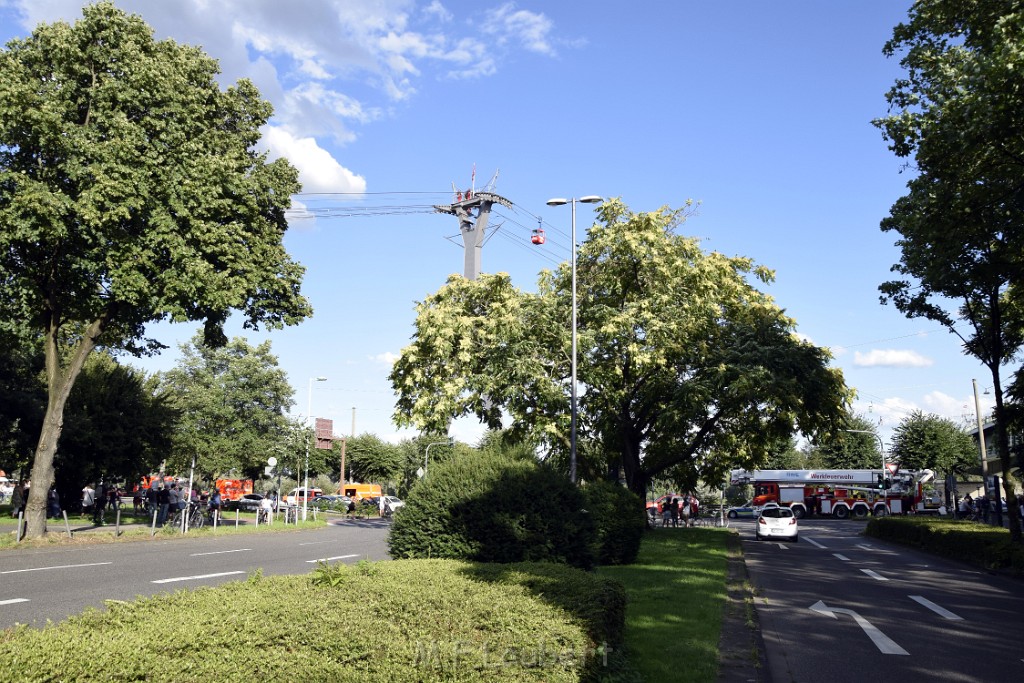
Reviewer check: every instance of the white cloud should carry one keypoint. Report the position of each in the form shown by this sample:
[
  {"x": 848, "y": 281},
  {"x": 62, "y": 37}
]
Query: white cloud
[
  {"x": 891, "y": 358},
  {"x": 530, "y": 29},
  {"x": 318, "y": 171},
  {"x": 386, "y": 358}
]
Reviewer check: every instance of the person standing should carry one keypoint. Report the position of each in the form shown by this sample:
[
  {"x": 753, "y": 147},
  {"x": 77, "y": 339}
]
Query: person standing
[
  {"x": 18, "y": 499},
  {"x": 52, "y": 503},
  {"x": 163, "y": 502},
  {"x": 215, "y": 501},
  {"x": 88, "y": 499},
  {"x": 101, "y": 501},
  {"x": 173, "y": 499}
]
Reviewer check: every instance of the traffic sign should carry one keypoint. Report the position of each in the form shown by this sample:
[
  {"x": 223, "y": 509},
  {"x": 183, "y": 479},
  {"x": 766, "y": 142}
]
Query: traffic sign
[{"x": 892, "y": 467}]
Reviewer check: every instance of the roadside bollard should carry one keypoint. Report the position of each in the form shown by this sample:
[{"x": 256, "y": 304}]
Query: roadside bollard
[
  {"x": 66, "y": 525},
  {"x": 153, "y": 531}
]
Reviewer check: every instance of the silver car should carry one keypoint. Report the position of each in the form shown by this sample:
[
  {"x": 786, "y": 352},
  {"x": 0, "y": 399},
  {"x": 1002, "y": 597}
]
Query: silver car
[{"x": 776, "y": 522}]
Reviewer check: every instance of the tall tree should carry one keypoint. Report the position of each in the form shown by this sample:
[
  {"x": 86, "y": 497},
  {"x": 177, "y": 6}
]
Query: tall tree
[
  {"x": 130, "y": 193},
  {"x": 685, "y": 364},
  {"x": 118, "y": 426},
  {"x": 958, "y": 113},
  {"x": 232, "y": 401},
  {"x": 931, "y": 442},
  {"x": 854, "y": 450}
]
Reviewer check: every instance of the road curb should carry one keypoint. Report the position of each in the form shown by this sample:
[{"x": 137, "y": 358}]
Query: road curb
[{"x": 741, "y": 651}]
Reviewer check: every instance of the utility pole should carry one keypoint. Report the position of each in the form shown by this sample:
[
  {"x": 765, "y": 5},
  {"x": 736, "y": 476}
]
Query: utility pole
[{"x": 473, "y": 209}]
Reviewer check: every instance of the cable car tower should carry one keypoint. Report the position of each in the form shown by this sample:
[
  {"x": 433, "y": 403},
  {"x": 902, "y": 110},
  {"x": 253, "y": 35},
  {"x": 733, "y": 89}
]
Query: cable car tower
[{"x": 473, "y": 209}]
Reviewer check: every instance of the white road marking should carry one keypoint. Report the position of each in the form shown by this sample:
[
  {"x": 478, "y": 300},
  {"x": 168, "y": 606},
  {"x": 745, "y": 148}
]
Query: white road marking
[
  {"x": 941, "y": 611},
  {"x": 328, "y": 559},
  {"x": 874, "y": 575},
  {"x": 221, "y": 552},
  {"x": 782, "y": 545},
  {"x": 63, "y": 566},
  {"x": 885, "y": 644},
  {"x": 814, "y": 543},
  {"x": 842, "y": 557},
  {"x": 196, "y": 578},
  {"x": 864, "y": 546},
  {"x": 316, "y": 542},
  {"x": 13, "y": 601}
]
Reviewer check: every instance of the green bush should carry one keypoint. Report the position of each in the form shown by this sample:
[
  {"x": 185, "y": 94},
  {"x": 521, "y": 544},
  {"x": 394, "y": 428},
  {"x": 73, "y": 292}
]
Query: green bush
[
  {"x": 402, "y": 621},
  {"x": 493, "y": 506},
  {"x": 979, "y": 544},
  {"x": 620, "y": 520}
]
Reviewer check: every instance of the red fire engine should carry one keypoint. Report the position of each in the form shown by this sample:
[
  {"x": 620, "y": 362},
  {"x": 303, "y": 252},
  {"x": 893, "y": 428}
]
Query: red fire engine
[{"x": 840, "y": 493}]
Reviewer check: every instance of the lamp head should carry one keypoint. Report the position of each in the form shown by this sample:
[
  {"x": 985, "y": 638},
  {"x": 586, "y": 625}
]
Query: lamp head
[
  {"x": 321, "y": 379},
  {"x": 557, "y": 201},
  {"x": 591, "y": 199}
]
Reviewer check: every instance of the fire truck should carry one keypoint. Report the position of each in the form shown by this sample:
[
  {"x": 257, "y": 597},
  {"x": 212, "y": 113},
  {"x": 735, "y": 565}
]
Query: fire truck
[{"x": 840, "y": 493}]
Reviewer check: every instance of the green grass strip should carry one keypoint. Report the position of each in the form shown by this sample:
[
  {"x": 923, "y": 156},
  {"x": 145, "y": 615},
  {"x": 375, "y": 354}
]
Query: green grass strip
[{"x": 676, "y": 592}]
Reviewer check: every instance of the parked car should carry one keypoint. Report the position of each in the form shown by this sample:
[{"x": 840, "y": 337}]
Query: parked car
[
  {"x": 331, "y": 502},
  {"x": 249, "y": 502},
  {"x": 393, "y": 502},
  {"x": 745, "y": 511},
  {"x": 776, "y": 522}
]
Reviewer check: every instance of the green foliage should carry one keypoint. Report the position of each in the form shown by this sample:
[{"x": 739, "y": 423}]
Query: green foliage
[
  {"x": 715, "y": 377},
  {"x": 117, "y": 426},
  {"x": 620, "y": 520},
  {"x": 494, "y": 507},
  {"x": 406, "y": 621},
  {"x": 979, "y": 544},
  {"x": 131, "y": 192},
  {"x": 853, "y": 450},
  {"x": 232, "y": 401},
  {"x": 931, "y": 442},
  {"x": 957, "y": 113}
]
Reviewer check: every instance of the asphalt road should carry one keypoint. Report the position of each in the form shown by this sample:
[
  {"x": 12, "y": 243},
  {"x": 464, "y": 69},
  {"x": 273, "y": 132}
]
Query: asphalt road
[
  {"x": 54, "y": 583},
  {"x": 840, "y": 607}
]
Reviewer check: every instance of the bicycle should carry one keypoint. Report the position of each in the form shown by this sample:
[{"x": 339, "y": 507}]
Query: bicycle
[{"x": 196, "y": 519}]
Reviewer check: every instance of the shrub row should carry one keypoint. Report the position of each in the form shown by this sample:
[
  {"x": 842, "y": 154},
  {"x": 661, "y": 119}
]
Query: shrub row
[
  {"x": 397, "y": 621},
  {"x": 500, "y": 506},
  {"x": 979, "y": 544}
]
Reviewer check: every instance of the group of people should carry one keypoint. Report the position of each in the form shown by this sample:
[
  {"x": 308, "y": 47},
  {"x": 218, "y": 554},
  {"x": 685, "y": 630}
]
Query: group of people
[
  {"x": 680, "y": 510},
  {"x": 95, "y": 501},
  {"x": 165, "y": 500}
]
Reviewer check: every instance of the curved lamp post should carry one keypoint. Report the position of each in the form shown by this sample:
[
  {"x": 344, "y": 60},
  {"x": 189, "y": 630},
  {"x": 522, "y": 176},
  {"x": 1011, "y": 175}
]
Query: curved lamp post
[{"x": 560, "y": 201}]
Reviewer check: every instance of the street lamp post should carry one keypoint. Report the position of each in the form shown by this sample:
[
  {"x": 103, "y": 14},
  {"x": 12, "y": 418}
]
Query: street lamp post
[
  {"x": 559, "y": 201},
  {"x": 881, "y": 447},
  {"x": 309, "y": 416},
  {"x": 426, "y": 455}
]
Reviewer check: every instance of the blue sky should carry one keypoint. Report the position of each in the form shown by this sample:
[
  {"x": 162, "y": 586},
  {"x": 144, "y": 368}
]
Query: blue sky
[{"x": 761, "y": 111}]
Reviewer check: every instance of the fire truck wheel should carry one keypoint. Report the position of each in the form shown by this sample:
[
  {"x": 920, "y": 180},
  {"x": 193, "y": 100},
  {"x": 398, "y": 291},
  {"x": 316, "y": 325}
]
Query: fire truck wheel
[
  {"x": 860, "y": 512},
  {"x": 842, "y": 512},
  {"x": 880, "y": 511},
  {"x": 799, "y": 512}
]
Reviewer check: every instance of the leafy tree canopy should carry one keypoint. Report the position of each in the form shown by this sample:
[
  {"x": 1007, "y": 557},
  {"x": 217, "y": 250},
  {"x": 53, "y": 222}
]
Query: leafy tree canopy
[
  {"x": 130, "y": 193},
  {"x": 232, "y": 401},
  {"x": 685, "y": 364},
  {"x": 931, "y": 442},
  {"x": 958, "y": 112}
]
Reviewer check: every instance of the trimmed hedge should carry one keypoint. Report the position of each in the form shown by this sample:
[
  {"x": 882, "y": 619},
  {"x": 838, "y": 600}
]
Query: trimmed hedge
[
  {"x": 402, "y": 621},
  {"x": 492, "y": 506},
  {"x": 978, "y": 544},
  {"x": 620, "y": 520}
]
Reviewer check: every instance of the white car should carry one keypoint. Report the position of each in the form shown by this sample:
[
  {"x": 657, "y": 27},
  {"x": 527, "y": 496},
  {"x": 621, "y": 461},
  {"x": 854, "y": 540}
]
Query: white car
[
  {"x": 393, "y": 503},
  {"x": 776, "y": 522}
]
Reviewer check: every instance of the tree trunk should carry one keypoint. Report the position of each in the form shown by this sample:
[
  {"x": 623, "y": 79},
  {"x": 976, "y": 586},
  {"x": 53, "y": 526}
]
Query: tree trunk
[
  {"x": 59, "y": 382},
  {"x": 1003, "y": 447}
]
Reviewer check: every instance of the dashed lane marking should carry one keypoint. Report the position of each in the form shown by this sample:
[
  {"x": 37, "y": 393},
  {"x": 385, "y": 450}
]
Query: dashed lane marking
[
  {"x": 814, "y": 543},
  {"x": 840, "y": 556},
  {"x": 941, "y": 611},
  {"x": 222, "y": 552},
  {"x": 328, "y": 559},
  {"x": 62, "y": 566},
  {"x": 874, "y": 575},
  {"x": 196, "y": 578},
  {"x": 13, "y": 601}
]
